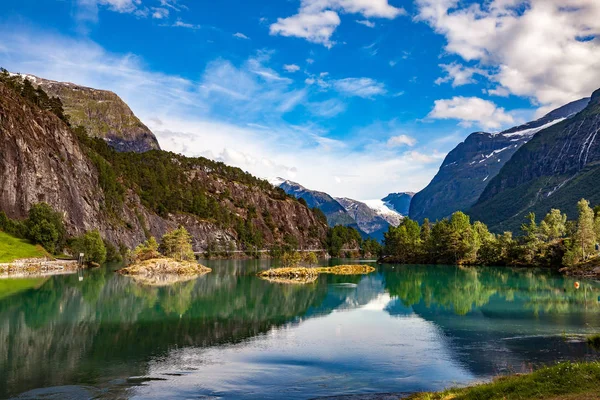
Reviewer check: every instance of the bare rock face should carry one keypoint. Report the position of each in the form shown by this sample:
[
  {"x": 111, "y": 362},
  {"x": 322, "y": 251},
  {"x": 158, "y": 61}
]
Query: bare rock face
[
  {"x": 41, "y": 160},
  {"x": 102, "y": 113}
]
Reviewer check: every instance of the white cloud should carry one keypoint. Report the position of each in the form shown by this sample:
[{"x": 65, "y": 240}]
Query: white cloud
[
  {"x": 317, "y": 20},
  {"x": 499, "y": 91},
  {"x": 360, "y": 87},
  {"x": 472, "y": 110},
  {"x": 240, "y": 35},
  {"x": 401, "y": 140},
  {"x": 291, "y": 68},
  {"x": 543, "y": 49},
  {"x": 160, "y": 13},
  {"x": 316, "y": 28},
  {"x": 366, "y": 23},
  {"x": 458, "y": 74},
  {"x": 328, "y": 108},
  {"x": 180, "y": 24}
]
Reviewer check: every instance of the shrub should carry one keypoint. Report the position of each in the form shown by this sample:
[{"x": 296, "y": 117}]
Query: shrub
[{"x": 92, "y": 246}]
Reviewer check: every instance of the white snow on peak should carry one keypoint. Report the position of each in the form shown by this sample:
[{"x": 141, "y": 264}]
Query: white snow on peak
[
  {"x": 277, "y": 181},
  {"x": 533, "y": 131},
  {"x": 381, "y": 208}
]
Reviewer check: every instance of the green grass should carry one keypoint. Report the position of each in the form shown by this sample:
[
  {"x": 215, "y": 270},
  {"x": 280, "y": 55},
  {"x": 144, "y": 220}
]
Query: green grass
[
  {"x": 9, "y": 287},
  {"x": 12, "y": 249},
  {"x": 562, "y": 381}
]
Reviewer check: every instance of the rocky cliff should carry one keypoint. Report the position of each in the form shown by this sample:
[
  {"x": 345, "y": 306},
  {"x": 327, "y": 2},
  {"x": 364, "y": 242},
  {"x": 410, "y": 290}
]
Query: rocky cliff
[
  {"x": 555, "y": 169},
  {"x": 469, "y": 168},
  {"x": 103, "y": 114},
  {"x": 42, "y": 159}
]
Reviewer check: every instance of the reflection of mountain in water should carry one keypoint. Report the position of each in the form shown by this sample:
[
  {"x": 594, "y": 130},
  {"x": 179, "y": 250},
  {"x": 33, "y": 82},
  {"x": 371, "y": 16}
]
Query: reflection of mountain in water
[
  {"x": 67, "y": 331},
  {"x": 497, "y": 319}
]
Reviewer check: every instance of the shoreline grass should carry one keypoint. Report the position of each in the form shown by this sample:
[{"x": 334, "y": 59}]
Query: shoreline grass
[
  {"x": 12, "y": 249},
  {"x": 559, "y": 382}
]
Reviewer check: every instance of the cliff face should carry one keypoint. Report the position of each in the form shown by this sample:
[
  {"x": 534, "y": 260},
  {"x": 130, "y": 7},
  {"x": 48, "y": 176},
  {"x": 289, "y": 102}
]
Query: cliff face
[
  {"x": 471, "y": 165},
  {"x": 102, "y": 113},
  {"x": 43, "y": 160},
  {"x": 555, "y": 169}
]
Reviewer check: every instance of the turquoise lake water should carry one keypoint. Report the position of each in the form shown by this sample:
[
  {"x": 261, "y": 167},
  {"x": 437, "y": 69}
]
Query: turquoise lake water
[{"x": 230, "y": 334}]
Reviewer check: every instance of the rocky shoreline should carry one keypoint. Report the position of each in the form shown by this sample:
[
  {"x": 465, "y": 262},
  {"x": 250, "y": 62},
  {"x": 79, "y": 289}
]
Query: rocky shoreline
[{"x": 37, "y": 267}]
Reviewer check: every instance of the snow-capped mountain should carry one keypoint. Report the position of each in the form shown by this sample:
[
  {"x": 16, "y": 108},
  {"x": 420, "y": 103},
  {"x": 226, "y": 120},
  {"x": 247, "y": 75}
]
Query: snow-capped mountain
[
  {"x": 399, "y": 202},
  {"x": 472, "y": 164},
  {"x": 371, "y": 217}
]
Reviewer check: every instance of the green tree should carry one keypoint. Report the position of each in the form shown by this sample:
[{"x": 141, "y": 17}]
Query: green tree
[
  {"x": 310, "y": 259},
  {"x": 460, "y": 239},
  {"x": 177, "y": 244},
  {"x": 584, "y": 239},
  {"x": 146, "y": 251},
  {"x": 92, "y": 246},
  {"x": 531, "y": 242},
  {"x": 291, "y": 259},
  {"x": 45, "y": 226},
  {"x": 554, "y": 226}
]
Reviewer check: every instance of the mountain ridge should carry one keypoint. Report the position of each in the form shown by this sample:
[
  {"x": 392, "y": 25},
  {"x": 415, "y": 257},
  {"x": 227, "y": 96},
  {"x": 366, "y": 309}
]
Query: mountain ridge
[
  {"x": 556, "y": 168},
  {"x": 469, "y": 167},
  {"x": 102, "y": 112}
]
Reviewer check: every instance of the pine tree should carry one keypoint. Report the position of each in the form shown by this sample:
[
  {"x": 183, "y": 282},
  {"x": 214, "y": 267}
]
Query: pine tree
[
  {"x": 177, "y": 244},
  {"x": 585, "y": 236}
]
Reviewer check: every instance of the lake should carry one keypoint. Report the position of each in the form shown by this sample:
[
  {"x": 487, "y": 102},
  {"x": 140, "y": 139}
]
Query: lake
[{"x": 230, "y": 334}]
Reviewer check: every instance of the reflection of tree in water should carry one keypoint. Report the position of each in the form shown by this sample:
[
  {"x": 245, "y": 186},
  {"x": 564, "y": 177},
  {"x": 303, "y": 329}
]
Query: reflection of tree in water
[
  {"x": 69, "y": 332},
  {"x": 465, "y": 289},
  {"x": 497, "y": 320}
]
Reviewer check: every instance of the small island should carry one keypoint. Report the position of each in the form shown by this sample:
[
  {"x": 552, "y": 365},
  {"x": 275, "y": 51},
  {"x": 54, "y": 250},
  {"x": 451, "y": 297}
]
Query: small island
[
  {"x": 300, "y": 269},
  {"x": 170, "y": 262}
]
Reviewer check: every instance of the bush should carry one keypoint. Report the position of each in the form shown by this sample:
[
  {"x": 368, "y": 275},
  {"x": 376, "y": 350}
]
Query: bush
[
  {"x": 45, "y": 226},
  {"x": 92, "y": 246}
]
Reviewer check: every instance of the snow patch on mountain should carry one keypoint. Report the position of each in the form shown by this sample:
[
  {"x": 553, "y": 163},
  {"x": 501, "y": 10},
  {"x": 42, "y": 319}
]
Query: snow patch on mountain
[
  {"x": 533, "y": 131},
  {"x": 384, "y": 210}
]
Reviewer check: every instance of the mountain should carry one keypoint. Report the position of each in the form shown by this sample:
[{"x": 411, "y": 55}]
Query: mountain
[
  {"x": 399, "y": 202},
  {"x": 555, "y": 169},
  {"x": 471, "y": 165},
  {"x": 103, "y": 114},
  {"x": 130, "y": 196},
  {"x": 336, "y": 214},
  {"x": 373, "y": 217}
]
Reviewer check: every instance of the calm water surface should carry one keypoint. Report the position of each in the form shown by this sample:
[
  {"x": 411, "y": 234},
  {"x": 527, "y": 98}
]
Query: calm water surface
[{"x": 231, "y": 335}]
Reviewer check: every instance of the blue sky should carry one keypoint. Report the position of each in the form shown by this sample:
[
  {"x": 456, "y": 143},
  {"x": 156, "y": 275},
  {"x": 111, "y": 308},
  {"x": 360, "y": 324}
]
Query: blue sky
[{"x": 358, "y": 98}]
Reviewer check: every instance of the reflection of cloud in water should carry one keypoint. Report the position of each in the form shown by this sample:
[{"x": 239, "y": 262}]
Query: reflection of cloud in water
[{"x": 378, "y": 304}]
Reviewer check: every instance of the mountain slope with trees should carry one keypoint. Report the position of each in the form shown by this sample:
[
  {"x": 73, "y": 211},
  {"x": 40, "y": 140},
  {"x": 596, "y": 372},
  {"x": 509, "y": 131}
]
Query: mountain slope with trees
[
  {"x": 102, "y": 113},
  {"x": 557, "y": 167},
  {"x": 471, "y": 165},
  {"x": 129, "y": 197}
]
